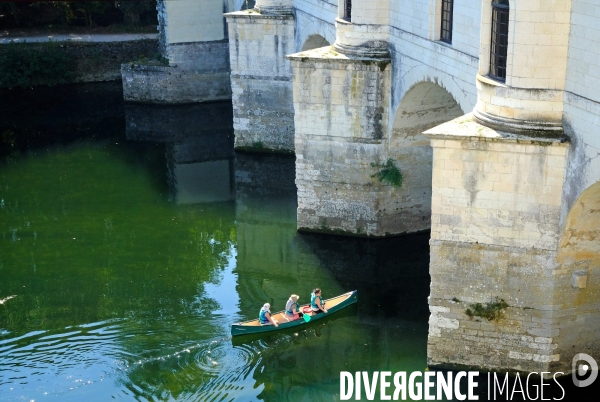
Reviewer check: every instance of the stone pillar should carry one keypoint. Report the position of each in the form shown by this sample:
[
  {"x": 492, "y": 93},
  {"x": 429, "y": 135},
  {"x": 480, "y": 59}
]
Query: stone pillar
[
  {"x": 364, "y": 32},
  {"x": 507, "y": 292},
  {"x": 341, "y": 107},
  {"x": 195, "y": 56},
  {"x": 494, "y": 236},
  {"x": 341, "y": 104},
  {"x": 530, "y": 99},
  {"x": 261, "y": 77}
]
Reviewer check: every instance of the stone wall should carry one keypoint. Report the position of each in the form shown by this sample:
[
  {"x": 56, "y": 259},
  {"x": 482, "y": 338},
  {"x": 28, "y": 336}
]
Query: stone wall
[
  {"x": 495, "y": 217},
  {"x": 577, "y": 283},
  {"x": 261, "y": 80},
  {"x": 582, "y": 102},
  {"x": 95, "y": 61},
  {"x": 203, "y": 75},
  {"x": 583, "y": 72},
  {"x": 193, "y": 38},
  {"x": 341, "y": 120}
]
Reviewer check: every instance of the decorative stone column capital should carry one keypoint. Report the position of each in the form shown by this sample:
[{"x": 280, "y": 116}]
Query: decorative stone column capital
[
  {"x": 274, "y": 7},
  {"x": 528, "y": 111},
  {"x": 361, "y": 40}
]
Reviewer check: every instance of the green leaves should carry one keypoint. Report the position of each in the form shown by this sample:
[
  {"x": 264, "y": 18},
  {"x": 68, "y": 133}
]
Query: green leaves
[
  {"x": 388, "y": 173},
  {"x": 23, "y": 65},
  {"x": 492, "y": 311}
]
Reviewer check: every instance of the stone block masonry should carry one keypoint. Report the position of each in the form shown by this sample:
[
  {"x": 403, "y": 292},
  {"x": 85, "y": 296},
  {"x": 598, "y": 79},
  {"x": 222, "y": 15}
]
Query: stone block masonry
[
  {"x": 201, "y": 75},
  {"x": 341, "y": 121},
  {"x": 193, "y": 39},
  {"x": 495, "y": 216},
  {"x": 261, "y": 80},
  {"x": 93, "y": 61}
]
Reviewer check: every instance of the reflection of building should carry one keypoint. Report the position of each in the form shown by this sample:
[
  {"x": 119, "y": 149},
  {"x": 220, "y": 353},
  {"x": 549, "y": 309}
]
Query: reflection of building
[
  {"x": 199, "y": 147},
  {"x": 386, "y": 332},
  {"x": 506, "y": 176},
  {"x": 266, "y": 221}
]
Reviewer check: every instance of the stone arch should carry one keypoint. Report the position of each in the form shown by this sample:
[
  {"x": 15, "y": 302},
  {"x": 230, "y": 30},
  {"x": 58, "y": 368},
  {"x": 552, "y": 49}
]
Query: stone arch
[
  {"x": 314, "y": 41},
  {"x": 576, "y": 285},
  {"x": 580, "y": 241},
  {"x": 411, "y": 73},
  {"x": 425, "y": 105},
  {"x": 308, "y": 25}
]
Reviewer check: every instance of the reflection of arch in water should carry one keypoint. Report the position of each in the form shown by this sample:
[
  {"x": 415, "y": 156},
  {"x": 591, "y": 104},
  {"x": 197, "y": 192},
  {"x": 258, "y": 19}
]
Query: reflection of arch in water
[
  {"x": 314, "y": 41},
  {"x": 577, "y": 288},
  {"x": 425, "y": 105}
]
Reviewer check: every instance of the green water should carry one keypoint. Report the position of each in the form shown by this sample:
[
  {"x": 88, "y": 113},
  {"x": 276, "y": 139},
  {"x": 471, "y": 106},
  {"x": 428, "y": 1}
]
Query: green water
[{"x": 131, "y": 248}]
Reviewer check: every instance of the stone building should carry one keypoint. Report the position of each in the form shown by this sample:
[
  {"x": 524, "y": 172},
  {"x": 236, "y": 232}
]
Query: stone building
[{"x": 488, "y": 108}]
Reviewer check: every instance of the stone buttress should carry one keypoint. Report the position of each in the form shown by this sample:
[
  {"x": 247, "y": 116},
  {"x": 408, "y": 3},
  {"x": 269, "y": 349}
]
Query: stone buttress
[
  {"x": 261, "y": 77},
  {"x": 498, "y": 232},
  {"x": 340, "y": 118},
  {"x": 193, "y": 39},
  {"x": 341, "y": 103}
]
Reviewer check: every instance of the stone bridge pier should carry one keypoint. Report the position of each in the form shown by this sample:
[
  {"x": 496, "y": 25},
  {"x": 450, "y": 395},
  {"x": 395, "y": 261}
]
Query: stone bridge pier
[
  {"x": 261, "y": 77},
  {"x": 348, "y": 127},
  {"x": 194, "y": 46},
  {"x": 515, "y": 219}
]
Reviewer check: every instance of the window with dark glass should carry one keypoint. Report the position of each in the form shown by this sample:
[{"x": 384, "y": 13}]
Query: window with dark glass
[
  {"x": 348, "y": 10},
  {"x": 499, "y": 39},
  {"x": 447, "y": 12}
]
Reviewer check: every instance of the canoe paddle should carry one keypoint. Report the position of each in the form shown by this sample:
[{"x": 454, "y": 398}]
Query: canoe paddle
[{"x": 306, "y": 317}]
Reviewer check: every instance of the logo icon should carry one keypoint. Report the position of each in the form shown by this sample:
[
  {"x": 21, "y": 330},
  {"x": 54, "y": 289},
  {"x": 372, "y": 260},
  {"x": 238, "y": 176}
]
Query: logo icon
[{"x": 584, "y": 365}]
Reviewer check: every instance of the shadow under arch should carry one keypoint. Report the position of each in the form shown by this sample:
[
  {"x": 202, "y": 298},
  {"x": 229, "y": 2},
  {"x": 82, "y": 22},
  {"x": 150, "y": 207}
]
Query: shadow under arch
[
  {"x": 314, "y": 41},
  {"x": 578, "y": 284},
  {"x": 424, "y": 105}
]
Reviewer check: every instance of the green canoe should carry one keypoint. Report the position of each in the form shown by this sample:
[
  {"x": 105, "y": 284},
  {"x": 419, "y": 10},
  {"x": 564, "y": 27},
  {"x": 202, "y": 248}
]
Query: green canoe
[{"x": 332, "y": 305}]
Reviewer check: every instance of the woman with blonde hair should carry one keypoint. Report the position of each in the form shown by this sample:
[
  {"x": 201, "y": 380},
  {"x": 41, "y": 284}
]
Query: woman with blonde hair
[{"x": 292, "y": 308}]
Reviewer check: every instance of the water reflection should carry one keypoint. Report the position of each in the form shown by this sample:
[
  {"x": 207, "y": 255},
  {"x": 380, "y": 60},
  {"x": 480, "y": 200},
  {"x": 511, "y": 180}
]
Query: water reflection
[
  {"x": 132, "y": 251},
  {"x": 199, "y": 147}
]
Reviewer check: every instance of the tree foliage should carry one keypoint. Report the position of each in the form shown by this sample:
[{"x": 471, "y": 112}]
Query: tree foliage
[
  {"x": 21, "y": 65},
  {"x": 89, "y": 13}
]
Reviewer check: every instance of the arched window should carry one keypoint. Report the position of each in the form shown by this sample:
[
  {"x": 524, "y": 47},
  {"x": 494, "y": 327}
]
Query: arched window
[
  {"x": 499, "y": 39},
  {"x": 447, "y": 13}
]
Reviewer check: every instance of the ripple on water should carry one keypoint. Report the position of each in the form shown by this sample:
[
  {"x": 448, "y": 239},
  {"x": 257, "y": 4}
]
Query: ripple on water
[
  {"x": 210, "y": 370},
  {"x": 61, "y": 360}
]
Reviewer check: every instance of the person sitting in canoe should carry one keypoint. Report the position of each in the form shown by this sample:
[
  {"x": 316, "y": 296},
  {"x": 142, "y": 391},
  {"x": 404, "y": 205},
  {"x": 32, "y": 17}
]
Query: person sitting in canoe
[
  {"x": 292, "y": 308},
  {"x": 316, "y": 302},
  {"x": 264, "y": 316}
]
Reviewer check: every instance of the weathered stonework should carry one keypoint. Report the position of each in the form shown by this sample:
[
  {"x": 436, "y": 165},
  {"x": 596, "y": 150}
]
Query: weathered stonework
[
  {"x": 201, "y": 74},
  {"x": 341, "y": 123},
  {"x": 495, "y": 214},
  {"x": 261, "y": 80},
  {"x": 192, "y": 37}
]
